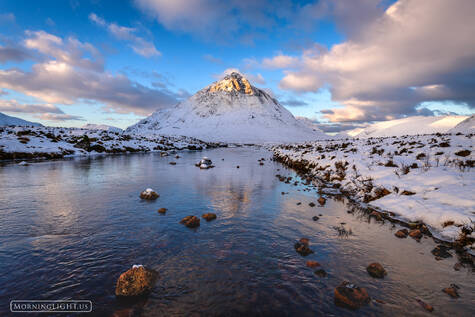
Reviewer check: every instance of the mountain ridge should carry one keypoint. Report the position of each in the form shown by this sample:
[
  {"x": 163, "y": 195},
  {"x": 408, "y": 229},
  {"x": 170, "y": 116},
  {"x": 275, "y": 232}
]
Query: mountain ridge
[{"x": 229, "y": 110}]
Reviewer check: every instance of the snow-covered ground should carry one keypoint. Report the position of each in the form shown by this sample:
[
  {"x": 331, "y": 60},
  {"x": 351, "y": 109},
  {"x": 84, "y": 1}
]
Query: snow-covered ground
[
  {"x": 48, "y": 142},
  {"x": 427, "y": 178},
  {"x": 230, "y": 110}
]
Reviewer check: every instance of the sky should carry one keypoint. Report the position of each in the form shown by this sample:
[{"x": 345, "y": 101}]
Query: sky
[{"x": 343, "y": 64}]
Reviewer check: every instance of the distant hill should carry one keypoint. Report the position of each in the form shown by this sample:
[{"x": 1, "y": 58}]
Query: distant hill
[
  {"x": 105, "y": 127},
  {"x": 466, "y": 126},
  {"x": 9, "y": 120},
  {"x": 409, "y": 126}
]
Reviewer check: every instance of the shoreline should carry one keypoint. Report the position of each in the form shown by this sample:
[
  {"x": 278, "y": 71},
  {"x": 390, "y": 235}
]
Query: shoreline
[{"x": 288, "y": 156}]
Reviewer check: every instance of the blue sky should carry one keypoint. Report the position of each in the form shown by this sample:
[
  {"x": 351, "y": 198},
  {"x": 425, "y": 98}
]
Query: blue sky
[{"x": 74, "y": 62}]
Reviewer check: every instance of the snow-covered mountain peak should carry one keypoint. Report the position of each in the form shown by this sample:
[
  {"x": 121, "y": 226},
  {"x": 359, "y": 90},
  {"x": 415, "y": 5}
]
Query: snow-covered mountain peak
[
  {"x": 234, "y": 82},
  {"x": 229, "y": 110}
]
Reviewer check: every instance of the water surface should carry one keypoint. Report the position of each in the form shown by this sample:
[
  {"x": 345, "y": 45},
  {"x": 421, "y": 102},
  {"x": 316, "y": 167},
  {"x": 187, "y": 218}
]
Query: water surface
[{"x": 69, "y": 228}]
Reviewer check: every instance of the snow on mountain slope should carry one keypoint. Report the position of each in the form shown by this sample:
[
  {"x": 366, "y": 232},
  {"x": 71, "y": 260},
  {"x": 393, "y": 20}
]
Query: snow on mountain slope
[
  {"x": 410, "y": 126},
  {"x": 105, "y": 127},
  {"x": 466, "y": 126},
  {"x": 309, "y": 123},
  {"x": 229, "y": 110},
  {"x": 8, "y": 120}
]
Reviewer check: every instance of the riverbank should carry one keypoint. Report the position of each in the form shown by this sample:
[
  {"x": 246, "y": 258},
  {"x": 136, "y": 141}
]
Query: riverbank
[
  {"x": 424, "y": 179},
  {"x": 53, "y": 143}
]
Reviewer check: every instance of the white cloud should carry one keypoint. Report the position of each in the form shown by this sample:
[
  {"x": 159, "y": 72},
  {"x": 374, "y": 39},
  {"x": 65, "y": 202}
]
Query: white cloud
[
  {"x": 138, "y": 44},
  {"x": 280, "y": 61},
  {"x": 14, "y": 106},
  {"x": 72, "y": 71},
  {"x": 217, "y": 20},
  {"x": 415, "y": 51},
  {"x": 58, "y": 117}
]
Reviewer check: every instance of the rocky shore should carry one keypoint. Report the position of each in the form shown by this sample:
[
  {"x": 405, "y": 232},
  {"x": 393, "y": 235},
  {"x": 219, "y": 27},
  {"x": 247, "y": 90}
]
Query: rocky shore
[{"x": 425, "y": 182}]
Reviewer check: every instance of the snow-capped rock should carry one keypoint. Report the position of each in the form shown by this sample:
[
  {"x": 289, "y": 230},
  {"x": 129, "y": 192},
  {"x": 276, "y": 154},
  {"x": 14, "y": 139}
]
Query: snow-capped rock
[
  {"x": 105, "y": 127},
  {"x": 409, "y": 126},
  {"x": 9, "y": 121},
  {"x": 466, "y": 126},
  {"x": 229, "y": 110}
]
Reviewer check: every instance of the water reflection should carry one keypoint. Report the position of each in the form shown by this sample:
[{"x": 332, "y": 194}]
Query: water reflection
[{"x": 69, "y": 228}]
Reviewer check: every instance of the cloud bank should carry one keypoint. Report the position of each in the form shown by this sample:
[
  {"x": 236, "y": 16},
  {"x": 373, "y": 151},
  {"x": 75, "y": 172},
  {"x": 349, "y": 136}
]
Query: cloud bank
[
  {"x": 415, "y": 51},
  {"x": 70, "y": 71}
]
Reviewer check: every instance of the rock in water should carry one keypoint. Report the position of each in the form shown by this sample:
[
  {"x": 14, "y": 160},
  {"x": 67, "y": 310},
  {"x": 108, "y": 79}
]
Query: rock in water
[
  {"x": 350, "y": 296},
  {"x": 452, "y": 291},
  {"x": 302, "y": 247},
  {"x": 162, "y": 210},
  {"x": 441, "y": 251},
  {"x": 376, "y": 270},
  {"x": 312, "y": 264},
  {"x": 425, "y": 305},
  {"x": 209, "y": 216},
  {"x": 191, "y": 221},
  {"x": 205, "y": 163},
  {"x": 322, "y": 201},
  {"x": 402, "y": 233},
  {"x": 136, "y": 281},
  {"x": 149, "y": 194},
  {"x": 320, "y": 273},
  {"x": 415, "y": 234},
  {"x": 376, "y": 215}
]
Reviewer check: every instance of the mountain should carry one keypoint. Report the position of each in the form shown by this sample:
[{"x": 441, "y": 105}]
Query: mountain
[
  {"x": 229, "y": 110},
  {"x": 466, "y": 126},
  {"x": 409, "y": 126},
  {"x": 105, "y": 127},
  {"x": 8, "y": 120},
  {"x": 309, "y": 123}
]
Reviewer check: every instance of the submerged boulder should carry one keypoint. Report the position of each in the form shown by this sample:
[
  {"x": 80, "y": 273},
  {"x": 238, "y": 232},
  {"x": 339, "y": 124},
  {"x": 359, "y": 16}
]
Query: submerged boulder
[
  {"x": 376, "y": 270},
  {"x": 320, "y": 273},
  {"x": 312, "y": 264},
  {"x": 350, "y": 296},
  {"x": 452, "y": 291},
  {"x": 136, "y": 281},
  {"x": 149, "y": 194},
  {"x": 302, "y": 247},
  {"x": 441, "y": 251},
  {"x": 191, "y": 221},
  {"x": 209, "y": 216}
]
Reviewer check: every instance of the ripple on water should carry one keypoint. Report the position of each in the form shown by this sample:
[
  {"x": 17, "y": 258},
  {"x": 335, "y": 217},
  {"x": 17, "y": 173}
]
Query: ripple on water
[{"x": 78, "y": 224}]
